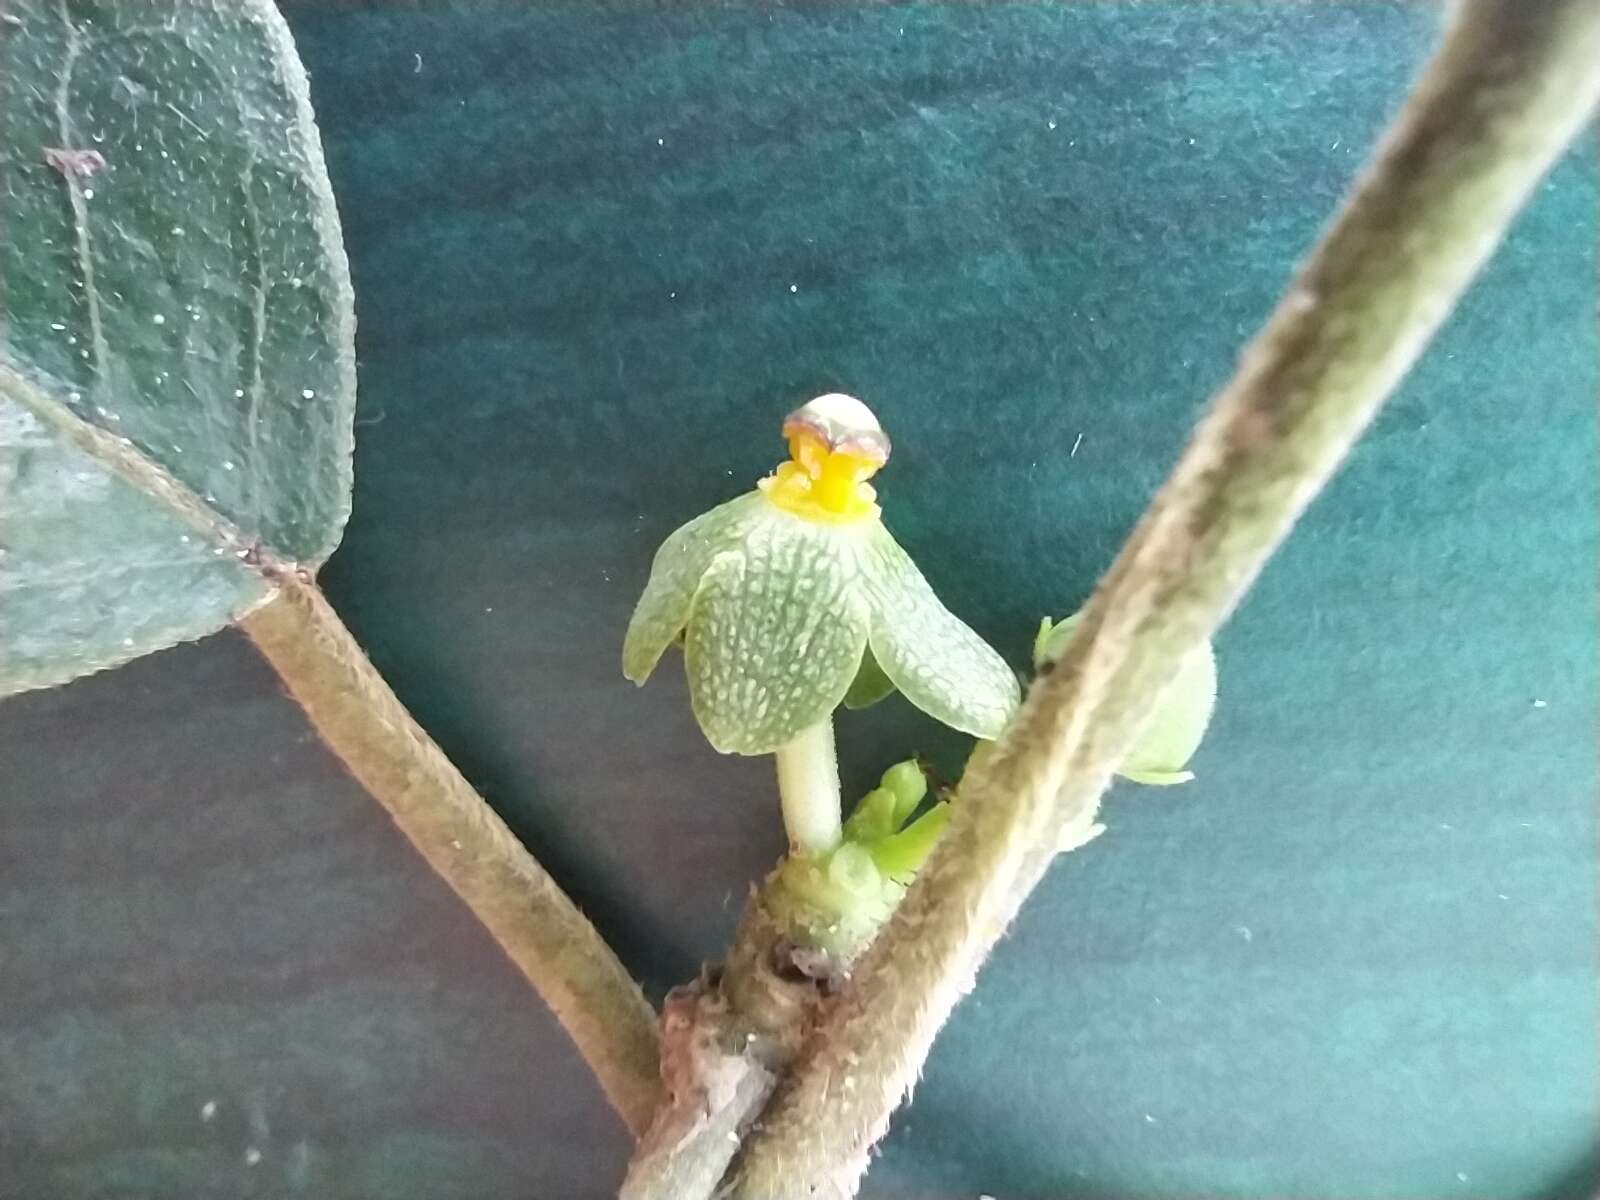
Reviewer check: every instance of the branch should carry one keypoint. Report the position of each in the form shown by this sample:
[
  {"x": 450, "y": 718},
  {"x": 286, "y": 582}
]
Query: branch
[
  {"x": 456, "y": 831},
  {"x": 1511, "y": 84},
  {"x": 725, "y": 1040}
]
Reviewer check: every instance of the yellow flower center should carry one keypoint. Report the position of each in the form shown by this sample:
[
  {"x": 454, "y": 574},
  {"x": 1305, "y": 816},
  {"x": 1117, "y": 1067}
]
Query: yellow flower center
[{"x": 824, "y": 485}]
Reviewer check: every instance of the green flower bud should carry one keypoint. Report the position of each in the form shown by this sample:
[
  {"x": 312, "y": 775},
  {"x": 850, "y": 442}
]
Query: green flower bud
[
  {"x": 1179, "y": 723},
  {"x": 909, "y": 785},
  {"x": 835, "y": 903},
  {"x": 901, "y": 855},
  {"x": 837, "y": 900},
  {"x": 873, "y": 818}
]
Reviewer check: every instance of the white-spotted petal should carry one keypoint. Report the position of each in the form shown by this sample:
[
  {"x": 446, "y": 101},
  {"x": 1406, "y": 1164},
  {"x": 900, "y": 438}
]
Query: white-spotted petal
[
  {"x": 663, "y": 609},
  {"x": 929, "y": 653},
  {"x": 775, "y": 634}
]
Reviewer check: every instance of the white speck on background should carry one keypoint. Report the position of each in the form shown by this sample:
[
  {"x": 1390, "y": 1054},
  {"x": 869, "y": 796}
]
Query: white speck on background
[
  {"x": 1149, "y": 1120},
  {"x": 1244, "y": 932},
  {"x": 1051, "y": 122},
  {"x": 227, "y": 464},
  {"x": 252, "y": 1156},
  {"x": 661, "y": 141},
  {"x": 1502, "y": 896},
  {"x": 1461, "y": 1175},
  {"x": 1541, "y": 703},
  {"x": 1078, "y": 441},
  {"x": 1444, "y": 826},
  {"x": 793, "y": 288},
  {"x": 209, "y": 1108},
  {"x": 238, "y": 393},
  {"x": 88, "y": 193},
  {"x": 309, "y": 394},
  {"x": 159, "y": 319}
]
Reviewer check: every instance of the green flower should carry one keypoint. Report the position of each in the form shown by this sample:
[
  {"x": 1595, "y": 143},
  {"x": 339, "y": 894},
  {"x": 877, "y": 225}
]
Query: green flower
[
  {"x": 787, "y": 596},
  {"x": 1174, "y": 732}
]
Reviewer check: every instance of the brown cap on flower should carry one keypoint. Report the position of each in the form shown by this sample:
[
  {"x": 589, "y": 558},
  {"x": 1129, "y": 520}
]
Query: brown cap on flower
[{"x": 843, "y": 424}]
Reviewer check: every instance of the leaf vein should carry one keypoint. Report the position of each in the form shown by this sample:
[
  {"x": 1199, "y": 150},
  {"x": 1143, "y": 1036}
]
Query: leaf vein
[{"x": 84, "y": 239}]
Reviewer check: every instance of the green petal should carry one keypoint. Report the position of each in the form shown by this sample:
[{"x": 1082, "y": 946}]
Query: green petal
[
  {"x": 663, "y": 609},
  {"x": 941, "y": 665},
  {"x": 775, "y": 635},
  {"x": 870, "y": 684},
  {"x": 1175, "y": 731}
]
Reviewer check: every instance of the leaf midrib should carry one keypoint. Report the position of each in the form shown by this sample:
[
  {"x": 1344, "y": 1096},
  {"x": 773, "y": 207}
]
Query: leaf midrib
[
  {"x": 119, "y": 455},
  {"x": 122, "y": 458}
]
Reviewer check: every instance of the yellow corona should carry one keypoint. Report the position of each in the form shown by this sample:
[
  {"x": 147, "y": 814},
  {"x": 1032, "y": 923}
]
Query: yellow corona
[{"x": 835, "y": 446}]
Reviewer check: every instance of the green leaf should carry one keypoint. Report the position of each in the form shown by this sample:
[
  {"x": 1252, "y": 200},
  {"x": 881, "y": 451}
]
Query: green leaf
[
  {"x": 775, "y": 635},
  {"x": 870, "y": 684},
  {"x": 663, "y": 609},
  {"x": 1178, "y": 726},
  {"x": 177, "y": 373},
  {"x": 931, "y": 655}
]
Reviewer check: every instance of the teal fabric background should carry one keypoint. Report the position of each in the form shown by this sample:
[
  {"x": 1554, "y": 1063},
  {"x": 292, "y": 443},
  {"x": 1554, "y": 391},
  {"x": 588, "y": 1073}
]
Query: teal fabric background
[{"x": 598, "y": 253}]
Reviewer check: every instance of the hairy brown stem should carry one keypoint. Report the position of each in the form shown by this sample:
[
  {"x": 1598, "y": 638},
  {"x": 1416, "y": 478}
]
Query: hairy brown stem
[
  {"x": 455, "y": 830},
  {"x": 1509, "y": 87},
  {"x": 726, "y": 1038}
]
